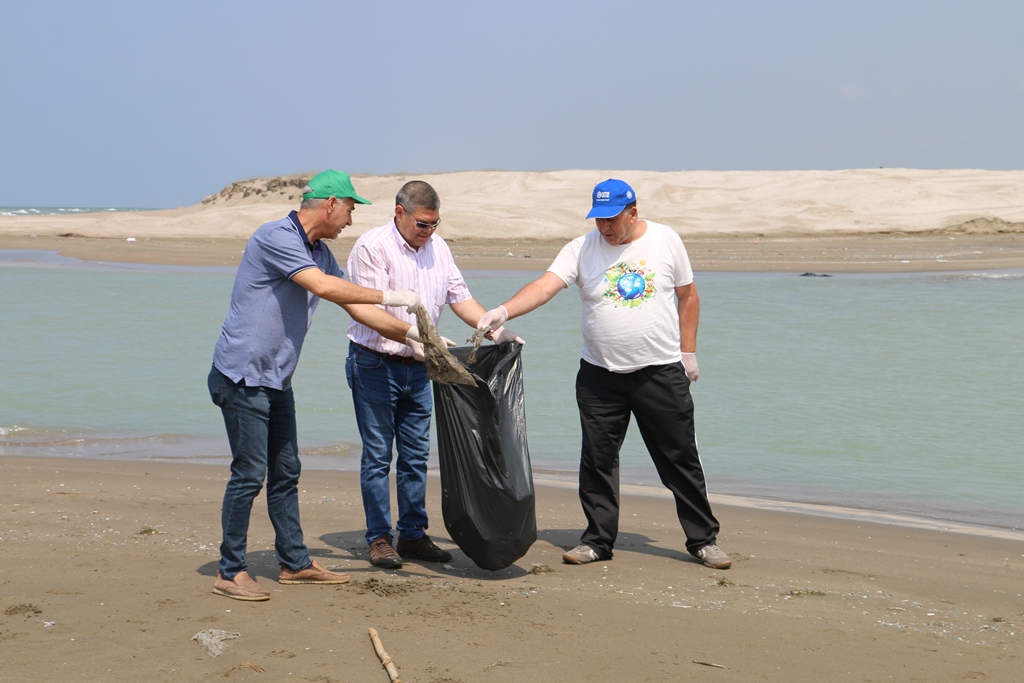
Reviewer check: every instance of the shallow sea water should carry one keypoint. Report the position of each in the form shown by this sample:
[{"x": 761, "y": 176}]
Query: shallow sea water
[{"x": 896, "y": 393}]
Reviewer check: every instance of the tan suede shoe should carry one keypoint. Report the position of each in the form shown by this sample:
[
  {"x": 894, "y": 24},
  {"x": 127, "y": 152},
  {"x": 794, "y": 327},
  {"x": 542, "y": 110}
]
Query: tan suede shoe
[
  {"x": 242, "y": 587},
  {"x": 382, "y": 553},
  {"x": 312, "y": 574}
]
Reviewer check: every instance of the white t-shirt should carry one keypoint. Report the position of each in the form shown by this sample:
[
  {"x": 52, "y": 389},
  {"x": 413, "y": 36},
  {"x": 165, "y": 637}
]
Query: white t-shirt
[{"x": 630, "y": 310}]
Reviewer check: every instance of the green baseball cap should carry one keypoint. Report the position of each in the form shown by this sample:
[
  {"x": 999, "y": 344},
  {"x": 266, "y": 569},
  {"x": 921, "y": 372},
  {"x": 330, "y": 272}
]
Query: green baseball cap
[{"x": 331, "y": 184}]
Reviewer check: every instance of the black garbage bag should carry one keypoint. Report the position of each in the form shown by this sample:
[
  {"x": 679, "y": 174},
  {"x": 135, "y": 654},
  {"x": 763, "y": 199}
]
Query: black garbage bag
[{"x": 486, "y": 482}]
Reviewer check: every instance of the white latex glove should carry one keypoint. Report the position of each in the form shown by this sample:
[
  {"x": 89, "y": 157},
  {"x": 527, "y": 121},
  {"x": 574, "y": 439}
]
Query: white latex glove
[
  {"x": 402, "y": 297},
  {"x": 417, "y": 350},
  {"x": 690, "y": 366},
  {"x": 493, "y": 318},
  {"x": 503, "y": 334},
  {"x": 412, "y": 339},
  {"x": 414, "y": 334}
]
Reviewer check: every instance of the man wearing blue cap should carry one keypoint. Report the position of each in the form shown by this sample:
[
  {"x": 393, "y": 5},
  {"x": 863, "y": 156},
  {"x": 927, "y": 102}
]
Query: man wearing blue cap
[
  {"x": 640, "y": 314},
  {"x": 285, "y": 271}
]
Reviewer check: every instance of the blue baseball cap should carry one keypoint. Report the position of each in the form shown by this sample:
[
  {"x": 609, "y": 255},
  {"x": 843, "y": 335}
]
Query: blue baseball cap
[{"x": 610, "y": 198}]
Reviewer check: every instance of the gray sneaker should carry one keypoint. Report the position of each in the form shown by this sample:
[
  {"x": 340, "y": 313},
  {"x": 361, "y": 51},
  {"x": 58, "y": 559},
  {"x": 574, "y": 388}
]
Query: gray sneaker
[
  {"x": 714, "y": 557},
  {"x": 581, "y": 554}
]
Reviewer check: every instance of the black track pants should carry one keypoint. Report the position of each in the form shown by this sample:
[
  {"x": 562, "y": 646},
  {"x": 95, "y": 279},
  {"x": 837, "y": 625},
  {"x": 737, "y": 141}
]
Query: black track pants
[{"x": 659, "y": 397}]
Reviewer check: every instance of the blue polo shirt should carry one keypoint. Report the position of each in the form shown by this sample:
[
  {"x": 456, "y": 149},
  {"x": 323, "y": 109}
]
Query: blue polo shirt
[{"x": 264, "y": 329}]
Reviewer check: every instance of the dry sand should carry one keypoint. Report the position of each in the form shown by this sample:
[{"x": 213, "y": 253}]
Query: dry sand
[
  {"x": 108, "y": 565},
  {"x": 108, "y": 568},
  {"x": 833, "y": 221}
]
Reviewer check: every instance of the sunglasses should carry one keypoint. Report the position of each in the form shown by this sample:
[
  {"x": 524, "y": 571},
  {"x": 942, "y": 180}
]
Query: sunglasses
[{"x": 420, "y": 225}]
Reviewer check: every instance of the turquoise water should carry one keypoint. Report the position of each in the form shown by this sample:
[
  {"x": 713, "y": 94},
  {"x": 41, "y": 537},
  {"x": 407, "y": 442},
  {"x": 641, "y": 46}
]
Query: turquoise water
[{"x": 896, "y": 393}]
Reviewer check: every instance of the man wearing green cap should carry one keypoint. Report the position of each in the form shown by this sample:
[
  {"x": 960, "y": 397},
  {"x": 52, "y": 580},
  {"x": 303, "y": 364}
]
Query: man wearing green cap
[{"x": 285, "y": 271}]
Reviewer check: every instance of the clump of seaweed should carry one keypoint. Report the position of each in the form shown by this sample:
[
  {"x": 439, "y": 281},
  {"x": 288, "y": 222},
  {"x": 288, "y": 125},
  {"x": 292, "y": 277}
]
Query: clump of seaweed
[
  {"x": 476, "y": 339},
  {"x": 442, "y": 366}
]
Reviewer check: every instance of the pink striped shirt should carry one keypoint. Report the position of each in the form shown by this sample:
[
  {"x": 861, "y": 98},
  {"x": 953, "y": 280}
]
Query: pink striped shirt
[{"x": 382, "y": 259}]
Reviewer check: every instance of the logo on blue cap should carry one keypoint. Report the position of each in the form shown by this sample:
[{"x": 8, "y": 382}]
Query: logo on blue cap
[{"x": 610, "y": 198}]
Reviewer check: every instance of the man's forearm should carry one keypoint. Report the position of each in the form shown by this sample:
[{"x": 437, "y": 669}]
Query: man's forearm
[
  {"x": 534, "y": 295},
  {"x": 336, "y": 289},
  {"x": 689, "y": 318},
  {"x": 379, "y": 320}
]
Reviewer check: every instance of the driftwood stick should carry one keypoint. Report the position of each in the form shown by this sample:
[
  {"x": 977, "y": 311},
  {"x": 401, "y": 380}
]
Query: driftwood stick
[
  {"x": 717, "y": 666},
  {"x": 384, "y": 657}
]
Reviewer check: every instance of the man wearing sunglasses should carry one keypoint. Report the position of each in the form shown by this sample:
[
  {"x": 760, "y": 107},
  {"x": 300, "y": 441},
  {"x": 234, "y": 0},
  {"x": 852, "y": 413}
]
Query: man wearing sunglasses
[{"x": 390, "y": 389}]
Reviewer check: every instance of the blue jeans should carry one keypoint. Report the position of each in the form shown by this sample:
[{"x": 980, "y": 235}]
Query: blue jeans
[
  {"x": 392, "y": 403},
  {"x": 264, "y": 444}
]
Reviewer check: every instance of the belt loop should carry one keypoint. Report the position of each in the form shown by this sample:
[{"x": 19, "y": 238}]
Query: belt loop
[{"x": 394, "y": 357}]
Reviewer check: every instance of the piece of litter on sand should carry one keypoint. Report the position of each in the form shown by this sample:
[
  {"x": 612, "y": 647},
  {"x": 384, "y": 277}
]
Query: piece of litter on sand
[{"x": 214, "y": 640}]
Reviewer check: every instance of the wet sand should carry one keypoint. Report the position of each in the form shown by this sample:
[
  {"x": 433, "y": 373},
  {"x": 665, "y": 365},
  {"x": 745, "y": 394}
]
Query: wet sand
[
  {"x": 823, "y": 254},
  {"x": 108, "y": 568}
]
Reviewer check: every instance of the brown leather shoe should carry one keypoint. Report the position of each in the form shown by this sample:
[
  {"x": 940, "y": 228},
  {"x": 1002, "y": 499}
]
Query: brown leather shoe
[
  {"x": 312, "y": 574},
  {"x": 241, "y": 587},
  {"x": 422, "y": 548},
  {"x": 382, "y": 554}
]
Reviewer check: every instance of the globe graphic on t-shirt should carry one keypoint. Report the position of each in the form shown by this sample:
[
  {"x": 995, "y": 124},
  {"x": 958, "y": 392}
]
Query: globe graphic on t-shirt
[{"x": 631, "y": 286}]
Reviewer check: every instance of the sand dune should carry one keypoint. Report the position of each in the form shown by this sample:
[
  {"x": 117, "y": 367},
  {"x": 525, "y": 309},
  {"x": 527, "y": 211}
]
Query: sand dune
[{"x": 497, "y": 205}]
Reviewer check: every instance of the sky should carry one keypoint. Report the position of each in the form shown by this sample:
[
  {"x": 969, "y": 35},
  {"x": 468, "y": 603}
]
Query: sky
[{"x": 157, "y": 105}]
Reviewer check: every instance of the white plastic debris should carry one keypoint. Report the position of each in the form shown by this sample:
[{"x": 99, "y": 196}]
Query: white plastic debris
[{"x": 214, "y": 640}]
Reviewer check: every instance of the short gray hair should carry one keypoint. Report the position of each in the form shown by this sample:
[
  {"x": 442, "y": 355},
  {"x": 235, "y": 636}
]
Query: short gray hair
[
  {"x": 416, "y": 195},
  {"x": 312, "y": 202}
]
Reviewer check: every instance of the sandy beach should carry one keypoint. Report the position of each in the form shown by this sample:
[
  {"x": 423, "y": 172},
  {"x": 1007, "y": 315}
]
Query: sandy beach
[
  {"x": 108, "y": 565},
  {"x": 108, "y": 568}
]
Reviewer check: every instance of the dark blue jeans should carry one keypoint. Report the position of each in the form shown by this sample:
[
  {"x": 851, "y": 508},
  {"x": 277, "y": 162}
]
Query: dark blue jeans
[
  {"x": 264, "y": 444},
  {"x": 393, "y": 402}
]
